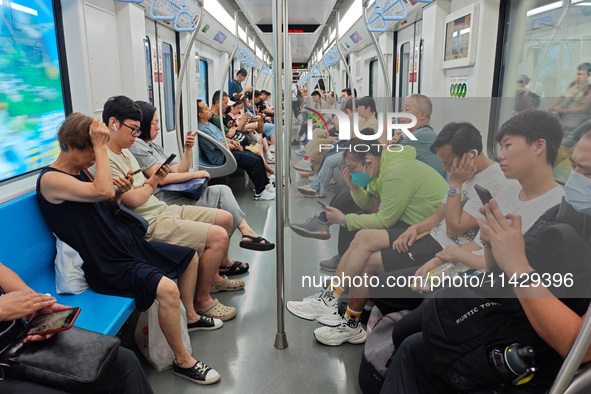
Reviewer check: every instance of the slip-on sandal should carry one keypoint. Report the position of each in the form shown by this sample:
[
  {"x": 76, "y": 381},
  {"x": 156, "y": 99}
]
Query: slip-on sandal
[
  {"x": 218, "y": 311},
  {"x": 234, "y": 269},
  {"x": 256, "y": 243},
  {"x": 227, "y": 285}
]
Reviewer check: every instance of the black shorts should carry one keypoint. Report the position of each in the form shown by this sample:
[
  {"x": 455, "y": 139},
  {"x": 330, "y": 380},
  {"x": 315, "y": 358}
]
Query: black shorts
[{"x": 418, "y": 254}]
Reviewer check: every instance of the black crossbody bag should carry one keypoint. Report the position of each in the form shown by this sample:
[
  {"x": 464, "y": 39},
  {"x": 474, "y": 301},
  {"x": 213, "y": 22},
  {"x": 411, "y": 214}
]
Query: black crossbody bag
[{"x": 71, "y": 360}]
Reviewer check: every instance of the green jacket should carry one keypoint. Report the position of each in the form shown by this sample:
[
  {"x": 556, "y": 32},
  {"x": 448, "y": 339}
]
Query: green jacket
[{"x": 409, "y": 191}]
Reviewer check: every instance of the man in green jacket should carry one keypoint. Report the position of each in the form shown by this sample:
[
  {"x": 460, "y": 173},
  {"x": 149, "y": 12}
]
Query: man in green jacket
[{"x": 401, "y": 191}]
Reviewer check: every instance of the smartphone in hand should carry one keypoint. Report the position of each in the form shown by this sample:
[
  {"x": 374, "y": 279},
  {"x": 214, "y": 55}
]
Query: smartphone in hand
[
  {"x": 167, "y": 162},
  {"x": 484, "y": 194},
  {"x": 52, "y": 322},
  {"x": 321, "y": 204}
]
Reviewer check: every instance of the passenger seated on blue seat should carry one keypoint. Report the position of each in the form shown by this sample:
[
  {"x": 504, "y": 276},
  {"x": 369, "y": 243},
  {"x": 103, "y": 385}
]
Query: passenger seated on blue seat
[
  {"x": 235, "y": 132},
  {"x": 124, "y": 376},
  {"x": 268, "y": 128},
  {"x": 117, "y": 259},
  {"x": 233, "y": 118},
  {"x": 401, "y": 191},
  {"x": 250, "y": 162},
  {"x": 205, "y": 230},
  {"x": 555, "y": 320},
  {"x": 151, "y": 156}
]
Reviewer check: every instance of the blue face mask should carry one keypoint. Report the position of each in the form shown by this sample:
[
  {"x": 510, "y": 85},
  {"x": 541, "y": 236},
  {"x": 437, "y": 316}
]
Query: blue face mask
[
  {"x": 578, "y": 192},
  {"x": 360, "y": 178}
]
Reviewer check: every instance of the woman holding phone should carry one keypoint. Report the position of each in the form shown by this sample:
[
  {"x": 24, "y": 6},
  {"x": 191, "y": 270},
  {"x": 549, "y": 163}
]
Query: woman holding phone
[
  {"x": 85, "y": 214},
  {"x": 151, "y": 155}
]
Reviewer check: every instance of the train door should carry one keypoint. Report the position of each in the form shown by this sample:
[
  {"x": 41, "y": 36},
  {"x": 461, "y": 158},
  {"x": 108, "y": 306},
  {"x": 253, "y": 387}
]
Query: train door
[
  {"x": 164, "y": 73},
  {"x": 409, "y": 56}
]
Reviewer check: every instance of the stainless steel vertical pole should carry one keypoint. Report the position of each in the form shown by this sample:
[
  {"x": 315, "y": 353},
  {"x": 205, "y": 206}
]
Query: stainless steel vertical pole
[
  {"x": 225, "y": 71},
  {"x": 380, "y": 57},
  {"x": 287, "y": 81},
  {"x": 342, "y": 56},
  {"x": 280, "y": 337},
  {"x": 181, "y": 77}
]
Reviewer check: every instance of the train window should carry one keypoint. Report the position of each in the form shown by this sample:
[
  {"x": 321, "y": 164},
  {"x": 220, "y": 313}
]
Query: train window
[
  {"x": 149, "y": 80},
  {"x": 404, "y": 70},
  {"x": 168, "y": 79},
  {"x": 31, "y": 97},
  {"x": 202, "y": 85},
  {"x": 373, "y": 78},
  {"x": 546, "y": 63}
]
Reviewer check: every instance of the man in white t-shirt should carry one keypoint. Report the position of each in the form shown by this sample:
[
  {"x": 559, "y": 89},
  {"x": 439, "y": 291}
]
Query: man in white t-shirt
[{"x": 529, "y": 146}]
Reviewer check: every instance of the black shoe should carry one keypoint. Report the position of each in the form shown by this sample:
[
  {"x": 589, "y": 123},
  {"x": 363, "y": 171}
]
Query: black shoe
[
  {"x": 295, "y": 143},
  {"x": 205, "y": 324},
  {"x": 198, "y": 373}
]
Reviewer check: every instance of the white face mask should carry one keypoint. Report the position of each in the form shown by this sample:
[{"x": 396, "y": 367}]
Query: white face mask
[{"x": 578, "y": 192}]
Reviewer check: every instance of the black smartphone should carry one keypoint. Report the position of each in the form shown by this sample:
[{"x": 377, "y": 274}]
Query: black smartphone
[
  {"x": 484, "y": 194},
  {"x": 52, "y": 322},
  {"x": 323, "y": 205},
  {"x": 168, "y": 161}
]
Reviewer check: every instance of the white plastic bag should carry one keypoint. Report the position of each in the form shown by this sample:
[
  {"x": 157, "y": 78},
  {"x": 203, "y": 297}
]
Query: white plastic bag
[
  {"x": 69, "y": 277},
  {"x": 151, "y": 341},
  {"x": 374, "y": 317}
]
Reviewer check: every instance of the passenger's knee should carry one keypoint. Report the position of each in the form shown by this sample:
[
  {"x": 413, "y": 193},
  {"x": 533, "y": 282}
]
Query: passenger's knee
[
  {"x": 224, "y": 219},
  {"x": 168, "y": 293},
  {"x": 364, "y": 237},
  {"x": 217, "y": 237}
]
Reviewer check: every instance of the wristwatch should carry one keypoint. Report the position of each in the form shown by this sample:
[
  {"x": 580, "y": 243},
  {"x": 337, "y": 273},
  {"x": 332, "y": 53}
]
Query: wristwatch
[
  {"x": 344, "y": 221},
  {"x": 452, "y": 192}
]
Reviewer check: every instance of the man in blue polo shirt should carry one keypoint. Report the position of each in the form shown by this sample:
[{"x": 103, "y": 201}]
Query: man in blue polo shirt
[
  {"x": 248, "y": 161},
  {"x": 235, "y": 84}
]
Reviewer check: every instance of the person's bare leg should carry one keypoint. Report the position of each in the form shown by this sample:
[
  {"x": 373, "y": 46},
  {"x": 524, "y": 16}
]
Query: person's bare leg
[
  {"x": 216, "y": 248},
  {"x": 225, "y": 220},
  {"x": 355, "y": 259},
  {"x": 186, "y": 285},
  {"x": 167, "y": 295},
  {"x": 358, "y": 296}
]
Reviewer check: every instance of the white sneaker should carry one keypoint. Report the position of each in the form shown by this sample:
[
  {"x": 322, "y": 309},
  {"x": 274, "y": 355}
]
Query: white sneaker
[
  {"x": 332, "y": 182},
  {"x": 265, "y": 195},
  {"x": 335, "y": 336},
  {"x": 311, "y": 309},
  {"x": 272, "y": 148},
  {"x": 303, "y": 165},
  {"x": 270, "y": 159},
  {"x": 332, "y": 320},
  {"x": 271, "y": 178},
  {"x": 301, "y": 152},
  {"x": 308, "y": 191},
  {"x": 270, "y": 188}
]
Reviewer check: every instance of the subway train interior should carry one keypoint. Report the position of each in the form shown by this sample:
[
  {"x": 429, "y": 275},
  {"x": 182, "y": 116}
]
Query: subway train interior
[{"x": 302, "y": 82}]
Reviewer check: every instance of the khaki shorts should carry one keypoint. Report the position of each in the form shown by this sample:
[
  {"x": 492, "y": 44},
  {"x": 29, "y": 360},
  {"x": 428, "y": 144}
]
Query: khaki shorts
[{"x": 185, "y": 225}]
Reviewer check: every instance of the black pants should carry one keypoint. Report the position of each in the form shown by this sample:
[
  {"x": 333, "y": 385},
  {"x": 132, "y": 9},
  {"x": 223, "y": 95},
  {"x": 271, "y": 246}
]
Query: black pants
[
  {"x": 124, "y": 377},
  {"x": 255, "y": 168}
]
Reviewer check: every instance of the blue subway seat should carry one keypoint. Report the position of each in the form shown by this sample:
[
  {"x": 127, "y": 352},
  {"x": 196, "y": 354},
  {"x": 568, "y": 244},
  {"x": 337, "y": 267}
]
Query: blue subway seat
[{"x": 28, "y": 248}]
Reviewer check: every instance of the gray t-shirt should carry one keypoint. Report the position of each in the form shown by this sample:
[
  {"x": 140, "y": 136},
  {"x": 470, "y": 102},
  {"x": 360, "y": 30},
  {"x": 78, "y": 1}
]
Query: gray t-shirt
[{"x": 148, "y": 153}]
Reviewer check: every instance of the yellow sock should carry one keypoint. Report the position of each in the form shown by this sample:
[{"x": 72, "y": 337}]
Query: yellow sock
[
  {"x": 354, "y": 314},
  {"x": 337, "y": 290}
]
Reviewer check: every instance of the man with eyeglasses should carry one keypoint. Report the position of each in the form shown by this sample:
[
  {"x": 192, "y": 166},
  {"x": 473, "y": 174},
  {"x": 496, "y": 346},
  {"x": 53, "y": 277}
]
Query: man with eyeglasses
[{"x": 203, "y": 229}]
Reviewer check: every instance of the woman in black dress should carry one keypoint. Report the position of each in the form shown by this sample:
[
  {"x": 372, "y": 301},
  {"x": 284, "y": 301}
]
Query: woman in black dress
[{"x": 85, "y": 214}]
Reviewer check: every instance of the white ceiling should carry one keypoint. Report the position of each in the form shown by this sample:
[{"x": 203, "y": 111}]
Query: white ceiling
[{"x": 300, "y": 12}]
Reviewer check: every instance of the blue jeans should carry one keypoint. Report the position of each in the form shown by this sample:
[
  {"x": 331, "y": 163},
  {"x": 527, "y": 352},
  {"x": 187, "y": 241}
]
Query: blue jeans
[
  {"x": 326, "y": 172},
  {"x": 269, "y": 129}
]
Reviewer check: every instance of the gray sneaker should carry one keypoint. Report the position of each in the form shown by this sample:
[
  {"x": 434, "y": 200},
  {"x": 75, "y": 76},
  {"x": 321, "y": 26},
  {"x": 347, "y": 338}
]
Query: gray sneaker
[
  {"x": 331, "y": 264},
  {"x": 313, "y": 228}
]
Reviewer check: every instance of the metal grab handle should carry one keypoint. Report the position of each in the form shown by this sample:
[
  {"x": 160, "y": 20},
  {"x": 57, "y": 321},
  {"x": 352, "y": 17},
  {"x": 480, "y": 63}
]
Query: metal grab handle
[
  {"x": 395, "y": 11},
  {"x": 163, "y": 17},
  {"x": 342, "y": 58},
  {"x": 184, "y": 12}
]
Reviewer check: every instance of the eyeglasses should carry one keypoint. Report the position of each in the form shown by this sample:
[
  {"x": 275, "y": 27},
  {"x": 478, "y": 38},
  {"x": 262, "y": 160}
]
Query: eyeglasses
[{"x": 135, "y": 132}]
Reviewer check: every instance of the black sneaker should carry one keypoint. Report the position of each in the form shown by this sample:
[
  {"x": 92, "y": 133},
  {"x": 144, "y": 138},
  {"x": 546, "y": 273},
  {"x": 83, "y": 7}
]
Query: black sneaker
[
  {"x": 205, "y": 324},
  {"x": 295, "y": 143},
  {"x": 198, "y": 373}
]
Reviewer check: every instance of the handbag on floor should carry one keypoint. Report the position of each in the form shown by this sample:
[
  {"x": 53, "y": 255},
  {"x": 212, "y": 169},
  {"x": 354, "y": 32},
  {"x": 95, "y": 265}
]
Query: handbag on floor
[{"x": 151, "y": 341}]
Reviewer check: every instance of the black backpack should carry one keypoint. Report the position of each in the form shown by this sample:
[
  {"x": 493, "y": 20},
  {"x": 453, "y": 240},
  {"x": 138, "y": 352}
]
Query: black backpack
[{"x": 462, "y": 325}]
